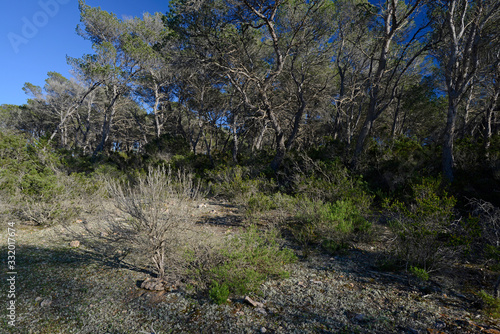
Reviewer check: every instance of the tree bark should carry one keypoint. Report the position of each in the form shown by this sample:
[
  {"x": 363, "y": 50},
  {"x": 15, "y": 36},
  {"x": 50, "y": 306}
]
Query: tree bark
[{"x": 448, "y": 140}]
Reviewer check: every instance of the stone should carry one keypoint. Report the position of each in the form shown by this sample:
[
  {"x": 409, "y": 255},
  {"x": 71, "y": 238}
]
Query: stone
[
  {"x": 263, "y": 330},
  {"x": 440, "y": 324},
  {"x": 74, "y": 244},
  {"x": 261, "y": 310},
  {"x": 253, "y": 302},
  {"x": 491, "y": 331},
  {"x": 153, "y": 284},
  {"x": 46, "y": 302}
]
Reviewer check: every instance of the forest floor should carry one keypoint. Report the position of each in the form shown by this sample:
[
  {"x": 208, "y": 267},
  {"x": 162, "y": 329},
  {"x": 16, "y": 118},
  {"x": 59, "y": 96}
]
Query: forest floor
[{"x": 84, "y": 289}]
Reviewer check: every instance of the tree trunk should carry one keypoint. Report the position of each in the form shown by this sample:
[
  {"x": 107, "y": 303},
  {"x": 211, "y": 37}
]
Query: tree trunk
[
  {"x": 449, "y": 135},
  {"x": 235, "y": 139},
  {"x": 108, "y": 121},
  {"x": 280, "y": 152}
]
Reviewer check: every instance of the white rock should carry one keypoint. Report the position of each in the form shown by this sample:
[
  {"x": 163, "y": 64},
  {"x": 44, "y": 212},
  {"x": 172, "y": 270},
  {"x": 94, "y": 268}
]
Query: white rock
[{"x": 74, "y": 244}]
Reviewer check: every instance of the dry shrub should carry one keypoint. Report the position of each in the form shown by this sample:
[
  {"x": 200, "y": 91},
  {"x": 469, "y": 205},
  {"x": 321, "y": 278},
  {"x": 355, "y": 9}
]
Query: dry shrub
[{"x": 155, "y": 211}]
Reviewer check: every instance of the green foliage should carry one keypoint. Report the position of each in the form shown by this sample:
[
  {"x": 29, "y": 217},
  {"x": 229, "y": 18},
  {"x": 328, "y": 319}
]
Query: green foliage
[
  {"x": 25, "y": 168},
  {"x": 425, "y": 226},
  {"x": 394, "y": 164},
  {"x": 329, "y": 224},
  {"x": 491, "y": 304},
  {"x": 420, "y": 273},
  {"x": 219, "y": 293},
  {"x": 249, "y": 259},
  {"x": 331, "y": 182},
  {"x": 31, "y": 178},
  {"x": 168, "y": 144},
  {"x": 236, "y": 184}
]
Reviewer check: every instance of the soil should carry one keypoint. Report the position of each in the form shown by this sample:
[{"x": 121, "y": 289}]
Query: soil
[{"x": 63, "y": 289}]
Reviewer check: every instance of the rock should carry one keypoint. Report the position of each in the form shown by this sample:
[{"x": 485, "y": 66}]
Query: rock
[
  {"x": 46, "y": 302},
  {"x": 261, "y": 310},
  {"x": 74, "y": 244},
  {"x": 253, "y": 302},
  {"x": 439, "y": 324},
  {"x": 153, "y": 284},
  {"x": 263, "y": 330}
]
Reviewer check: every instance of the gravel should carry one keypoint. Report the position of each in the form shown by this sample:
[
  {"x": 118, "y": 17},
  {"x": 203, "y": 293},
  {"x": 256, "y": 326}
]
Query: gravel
[{"x": 61, "y": 289}]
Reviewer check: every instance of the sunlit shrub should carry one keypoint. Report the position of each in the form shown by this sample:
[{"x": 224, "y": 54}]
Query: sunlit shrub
[
  {"x": 249, "y": 259},
  {"x": 329, "y": 224}
]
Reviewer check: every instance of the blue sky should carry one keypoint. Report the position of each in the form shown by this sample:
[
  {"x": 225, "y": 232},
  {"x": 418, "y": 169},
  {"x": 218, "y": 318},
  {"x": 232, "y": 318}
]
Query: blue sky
[{"x": 36, "y": 36}]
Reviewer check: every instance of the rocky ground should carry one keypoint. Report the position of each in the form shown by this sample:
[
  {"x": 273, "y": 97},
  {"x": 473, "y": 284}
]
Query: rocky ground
[{"x": 76, "y": 289}]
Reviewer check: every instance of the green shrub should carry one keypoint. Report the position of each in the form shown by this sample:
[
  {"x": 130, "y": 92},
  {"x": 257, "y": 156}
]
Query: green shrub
[
  {"x": 420, "y": 273},
  {"x": 424, "y": 228},
  {"x": 331, "y": 182},
  {"x": 328, "y": 223},
  {"x": 236, "y": 185},
  {"x": 491, "y": 304},
  {"x": 260, "y": 202},
  {"x": 219, "y": 293},
  {"x": 37, "y": 188},
  {"x": 249, "y": 259}
]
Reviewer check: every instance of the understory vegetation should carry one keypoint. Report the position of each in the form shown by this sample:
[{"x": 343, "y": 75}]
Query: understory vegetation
[
  {"x": 319, "y": 206},
  {"x": 213, "y": 149}
]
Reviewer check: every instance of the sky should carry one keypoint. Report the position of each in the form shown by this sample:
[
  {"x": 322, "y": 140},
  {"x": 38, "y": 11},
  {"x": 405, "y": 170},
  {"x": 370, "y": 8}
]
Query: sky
[{"x": 36, "y": 36}]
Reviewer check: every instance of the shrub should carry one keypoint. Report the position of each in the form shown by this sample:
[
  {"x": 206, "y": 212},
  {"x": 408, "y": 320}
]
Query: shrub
[
  {"x": 424, "y": 229},
  {"x": 330, "y": 224},
  {"x": 249, "y": 259},
  {"x": 422, "y": 274},
  {"x": 236, "y": 184},
  {"x": 488, "y": 222},
  {"x": 154, "y": 210},
  {"x": 331, "y": 182},
  {"x": 36, "y": 188},
  {"x": 491, "y": 304},
  {"x": 219, "y": 293}
]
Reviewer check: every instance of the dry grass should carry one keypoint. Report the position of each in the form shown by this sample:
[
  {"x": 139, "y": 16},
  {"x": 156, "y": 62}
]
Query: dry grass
[{"x": 94, "y": 288}]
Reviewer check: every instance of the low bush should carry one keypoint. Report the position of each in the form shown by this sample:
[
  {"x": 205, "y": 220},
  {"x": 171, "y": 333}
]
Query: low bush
[
  {"x": 491, "y": 304},
  {"x": 236, "y": 184},
  {"x": 487, "y": 241},
  {"x": 248, "y": 259},
  {"x": 153, "y": 212},
  {"x": 219, "y": 293},
  {"x": 425, "y": 229},
  {"x": 329, "y": 224},
  {"x": 330, "y": 182},
  {"x": 36, "y": 187},
  {"x": 420, "y": 273}
]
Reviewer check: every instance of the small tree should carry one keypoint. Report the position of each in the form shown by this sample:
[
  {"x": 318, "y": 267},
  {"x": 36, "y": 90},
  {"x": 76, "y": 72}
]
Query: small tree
[{"x": 156, "y": 210}]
